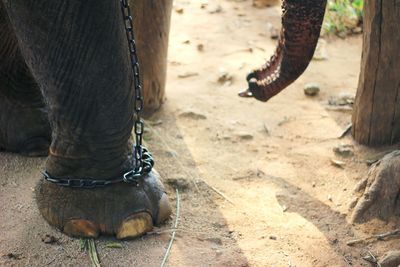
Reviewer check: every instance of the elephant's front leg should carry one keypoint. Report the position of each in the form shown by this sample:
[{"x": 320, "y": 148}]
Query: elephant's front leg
[{"x": 77, "y": 52}]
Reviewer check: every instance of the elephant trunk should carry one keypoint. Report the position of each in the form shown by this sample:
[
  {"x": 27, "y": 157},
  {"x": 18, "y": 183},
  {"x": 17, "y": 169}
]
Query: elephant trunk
[{"x": 301, "y": 26}]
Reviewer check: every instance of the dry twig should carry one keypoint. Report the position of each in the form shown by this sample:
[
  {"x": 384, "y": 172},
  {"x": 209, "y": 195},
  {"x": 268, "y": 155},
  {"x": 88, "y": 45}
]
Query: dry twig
[{"x": 376, "y": 237}]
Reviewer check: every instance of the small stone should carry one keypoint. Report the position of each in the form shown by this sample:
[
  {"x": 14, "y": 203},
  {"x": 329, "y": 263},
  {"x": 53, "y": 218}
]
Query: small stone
[
  {"x": 192, "y": 115},
  {"x": 391, "y": 259},
  {"x": 49, "y": 239},
  {"x": 181, "y": 184},
  {"x": 357, "y": 30},
  {"x": 330, "y": 198},
  {"x": 273, "y": 31},
  {"x": 342, "y": 99},
  {"x": 200, "y": 47},
  {"x": 314, "y": 184},
  {"x": 171, "y": 153},
  {"x": 338, "y": 163},
  {"x": 155, "y": 123},
  {"x": 186, "y": 41},
  {"x": 265, "y": 3},
  {"x": 175, "y": 63},
  {"x": 344, "y": 150},
  {"x": 245, "y": 136},
  {"x": 224, "y": 77},
  {"x": 214, "y": 9},
  {"x": 226, "y": 137},
  {"x": 272, "y": 237},
  {"x": 347, "y": 98},
  {"x": 311, "y": 89},
  {"x": 179, "y": 10},
  {"x": 215, "y": 240},
  {"x": 13, "y": 256},
  {"x": 187, "y": 74}
]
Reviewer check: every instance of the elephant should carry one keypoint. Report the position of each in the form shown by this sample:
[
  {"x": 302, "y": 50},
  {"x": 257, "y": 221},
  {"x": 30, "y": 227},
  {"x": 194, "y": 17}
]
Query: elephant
[
  {"x": 65, "y": 93},
  {"x": 301, "y": 27}
]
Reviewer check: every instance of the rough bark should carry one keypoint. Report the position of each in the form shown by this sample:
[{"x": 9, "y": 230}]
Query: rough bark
[
  {"x": 152, "y": 23},
  {"x": 376, "y": 117},
  {"x": 380, "y": 191}
]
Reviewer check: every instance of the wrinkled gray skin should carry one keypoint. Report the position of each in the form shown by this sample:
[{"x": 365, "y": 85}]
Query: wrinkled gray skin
[
  {"x": 65, "y": 73},
  {"x": 301, "y": 27}
]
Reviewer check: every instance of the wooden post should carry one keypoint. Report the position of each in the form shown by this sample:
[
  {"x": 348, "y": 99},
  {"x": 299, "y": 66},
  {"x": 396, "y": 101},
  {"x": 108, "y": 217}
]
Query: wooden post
[
  {"x": 152, "y": 22},
  {"x": 376, "y": 117}
]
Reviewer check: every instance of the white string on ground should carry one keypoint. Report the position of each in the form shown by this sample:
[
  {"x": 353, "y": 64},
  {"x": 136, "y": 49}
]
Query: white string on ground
[{"x": 175, "y": 228}]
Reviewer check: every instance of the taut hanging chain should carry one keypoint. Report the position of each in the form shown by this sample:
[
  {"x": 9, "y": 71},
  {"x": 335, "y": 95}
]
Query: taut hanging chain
[{"x": 142, "y": 158}]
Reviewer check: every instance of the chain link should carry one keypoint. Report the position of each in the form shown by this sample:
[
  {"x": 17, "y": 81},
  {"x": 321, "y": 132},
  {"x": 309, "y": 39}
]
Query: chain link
[
  {"x": 143, "y": 160},
  {"x": 138, "y": 98},
  {"x": 130, "y": 177}
]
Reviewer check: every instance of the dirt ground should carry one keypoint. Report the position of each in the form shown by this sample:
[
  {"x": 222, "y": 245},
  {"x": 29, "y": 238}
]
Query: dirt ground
[{"x": 256, "y": 180}]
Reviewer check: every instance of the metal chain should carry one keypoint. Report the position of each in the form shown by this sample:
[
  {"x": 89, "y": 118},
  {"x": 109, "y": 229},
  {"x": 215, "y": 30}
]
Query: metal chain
[
  {"x": 130, "y": 177},
  {"x": 138, "y": 98},
  {"x": 142, "y": 158}
]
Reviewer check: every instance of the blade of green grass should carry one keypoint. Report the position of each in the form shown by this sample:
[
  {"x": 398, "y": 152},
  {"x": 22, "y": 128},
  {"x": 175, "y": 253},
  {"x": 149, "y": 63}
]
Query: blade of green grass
[{"x": 93, "y": 253}]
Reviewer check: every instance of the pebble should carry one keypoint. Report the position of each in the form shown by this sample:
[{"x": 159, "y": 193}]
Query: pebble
[
  {"x": 273, "y": 31},
  {"x": 342, "y": 99},
  {"x": 171, "y": 153},
  {"x": 311, "y": 89},
  {"x": 215, "y": 240},
  {"x": 224, "y": 77},
  {"x": 155, "y": 123},
  {"x": 338, "y": 163},
  {"x": 357, "y": 30},
  {"x": 187, "y": 74},
  {"x": 214, "y": 9},
  {"x": 193, "y": 115},
  {"x": 181, "y": 184},
  {"x": 344, "y": 150},
  {"x": 245, "y": 136},
  {"x": 349, "y": 98},
  {"x": 179, "y": 10},
  {"x": 200, "y": 47},
  {"x": 49, "y": 239},
  {"x": 265, "y": 3}
]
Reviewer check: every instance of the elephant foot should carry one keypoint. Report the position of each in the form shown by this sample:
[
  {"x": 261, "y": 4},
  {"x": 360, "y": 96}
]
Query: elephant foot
[
  {"x": 124, "y": 210},
  {"x": 23, "y": 129}
]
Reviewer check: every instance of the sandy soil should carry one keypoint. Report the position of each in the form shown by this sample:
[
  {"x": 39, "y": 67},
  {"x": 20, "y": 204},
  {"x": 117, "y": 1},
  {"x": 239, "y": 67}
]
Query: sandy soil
[{"x": 249, "y": 196}]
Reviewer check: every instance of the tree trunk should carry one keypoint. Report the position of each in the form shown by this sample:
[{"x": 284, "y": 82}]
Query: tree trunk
[
  {"x": 376, "y": 117},
  {"x": 152, "y": 23}
]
